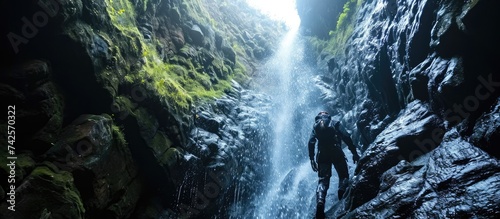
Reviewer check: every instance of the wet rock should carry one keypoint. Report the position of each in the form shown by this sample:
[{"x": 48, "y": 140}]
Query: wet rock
[
  {"x": 259, "y": 53},
  {"x": 440, "y": 81},
  {"x": 38, "y": 102},
  {"x": 174, "y": 14},
  {"x": 196, "y": 35},
  {"x": 96, "y": 153},
  {"x": 433, "y": 59},
  {"x": 399, "y": 188},
  {"x": 46, "y": 190},
  {"x": 147, "y": 144},
  {"x": 24, "y": 164},
  {"x": 178, "y": 38},
  {"x": 487, "y": 131},
  {"x": 447, "y": 38},
  {"x": 448, "y": 182},
  {"x": 229, "y": 54},
  {"x": 414, "y": 133},
  {"x": 206, "y": 121},
  {"x": 227, "y": 139},
  {"x": 476, "y": 19},
  {"x": 371, "y": 123},
  {"x": 461, "y": 181}
]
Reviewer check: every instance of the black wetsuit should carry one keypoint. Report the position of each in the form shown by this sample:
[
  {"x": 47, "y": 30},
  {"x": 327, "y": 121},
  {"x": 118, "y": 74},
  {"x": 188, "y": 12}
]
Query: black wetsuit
[{"x": 330, "y": 152}]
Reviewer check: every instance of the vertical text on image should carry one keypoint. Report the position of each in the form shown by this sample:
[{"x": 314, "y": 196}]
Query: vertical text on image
[{"x": 11, "y": 157}]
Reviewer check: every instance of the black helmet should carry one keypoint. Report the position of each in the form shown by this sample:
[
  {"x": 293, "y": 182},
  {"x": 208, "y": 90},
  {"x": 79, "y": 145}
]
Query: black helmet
[{"x": 323, "y": 113}]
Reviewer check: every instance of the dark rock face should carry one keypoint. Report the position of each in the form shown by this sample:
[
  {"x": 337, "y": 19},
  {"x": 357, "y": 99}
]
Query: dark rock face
[
  {"x": 486, "y": 131},
  {"x": 413, "y": 72},
  {"x": 88, "y": 171},
  {"x": 39, "y": 103},
  {"x": 455, "y": 180},
  {"x": 400, "y": 140},
  {"x": 227, "y": 140},
  {"x": 106, "y": 93},
  {"x": 96, "y": 154},
  {"x": 47, "y": 193}
]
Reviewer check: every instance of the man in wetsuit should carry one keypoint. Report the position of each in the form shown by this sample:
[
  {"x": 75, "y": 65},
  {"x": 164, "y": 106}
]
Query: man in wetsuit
[{"x": 328, "y": 134}]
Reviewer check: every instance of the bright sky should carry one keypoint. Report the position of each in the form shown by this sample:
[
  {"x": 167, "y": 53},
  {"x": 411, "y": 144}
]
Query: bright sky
[{"x": 278, "y": 9}]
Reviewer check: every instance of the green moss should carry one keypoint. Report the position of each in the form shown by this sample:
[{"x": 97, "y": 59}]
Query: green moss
[
  {"x": 57, "y": 191},
  {"x": 197, "y": 10},
  {"x": 24, "y": 164},
  {"x": 240, "y": 75},
  {"x": 237, "y": 48},
  {"x": 118, "y": 136},
  {"x": 170, "y": 158},
  {"x": 345, "y": 26},
  {"x": 160, "y": 144},
  {"x": 345, "y": 13},
  {"x": 181, "y": 82}
]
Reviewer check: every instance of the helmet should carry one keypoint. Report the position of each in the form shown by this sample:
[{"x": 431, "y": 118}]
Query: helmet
[{"x": 323, "y": 113}]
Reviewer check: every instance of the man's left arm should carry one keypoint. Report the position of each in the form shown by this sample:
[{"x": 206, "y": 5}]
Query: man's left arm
[{"x": 348, "y": 141}]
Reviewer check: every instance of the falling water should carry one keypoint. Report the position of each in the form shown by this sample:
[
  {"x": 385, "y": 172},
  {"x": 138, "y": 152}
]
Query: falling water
[{"x": 291, "y": 184}]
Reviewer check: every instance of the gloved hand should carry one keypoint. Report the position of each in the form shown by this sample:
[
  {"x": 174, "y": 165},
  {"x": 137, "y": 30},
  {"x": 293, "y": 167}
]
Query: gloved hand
[
  {"x": 314, "y": 166},
  {"x": 355, "y": 157}
]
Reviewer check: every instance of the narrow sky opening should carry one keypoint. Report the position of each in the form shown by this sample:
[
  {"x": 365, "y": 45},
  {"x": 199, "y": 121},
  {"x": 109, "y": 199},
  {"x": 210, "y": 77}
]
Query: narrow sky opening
[{"x": 283, "y": 10}]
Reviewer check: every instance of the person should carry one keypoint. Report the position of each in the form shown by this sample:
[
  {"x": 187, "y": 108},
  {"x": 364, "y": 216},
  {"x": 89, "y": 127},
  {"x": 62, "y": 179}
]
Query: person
[{"x": 328, "y": 134}]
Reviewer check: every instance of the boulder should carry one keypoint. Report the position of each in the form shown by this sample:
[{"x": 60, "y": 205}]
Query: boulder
[
  {"x": 461, "y": 181},
  {"x": 487, "y": 131},
  {"x": 95, "y": 152},
  {"x": 38, "y": 103},
  {"x": 229, "y": 54},
  {"x": 449, "y": 182},
  {"x": 46, "y": 191},
  {"x": 414, "y": 133},
  {"x": 196, "y": 35}
]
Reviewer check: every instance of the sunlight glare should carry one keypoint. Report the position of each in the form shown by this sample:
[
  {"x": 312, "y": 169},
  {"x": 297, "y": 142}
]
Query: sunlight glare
[{"x": 283, "y": 10}]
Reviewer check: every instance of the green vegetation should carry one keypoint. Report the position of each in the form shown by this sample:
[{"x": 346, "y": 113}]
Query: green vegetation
[
  {"x": 239, "y": 74},
  {"x": 63, "y": 192},
  {"x": 118, "y": 136},
  {"x": 200, "y": 14},
  {"x": 181, "y": 80},
  {"x": 237, "y": 48},
  {"x": 338, "y": 37},
  {"x": 345, "y": 13}
]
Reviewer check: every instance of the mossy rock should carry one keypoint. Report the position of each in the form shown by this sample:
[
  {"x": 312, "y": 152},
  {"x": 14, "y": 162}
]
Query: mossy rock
[
  {"x": 197, "y": 35},
  {"x": 229, "y": 54},
  {"x": 160, "y": 144},
  {"x": 95, "y": 151},
  {"x": 174, "y": 14},
  {"x": 24, "y": 164},
  {"x": 46, "y": 191}
]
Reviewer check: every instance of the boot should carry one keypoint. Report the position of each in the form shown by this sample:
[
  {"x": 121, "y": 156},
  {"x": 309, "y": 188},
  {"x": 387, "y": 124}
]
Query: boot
[{"x": 320, "y": 210}]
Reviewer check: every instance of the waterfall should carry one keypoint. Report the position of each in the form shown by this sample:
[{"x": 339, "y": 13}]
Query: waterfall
[
  {"x": 289, "y": 81},
  {"x": 291, "y": 183}
]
